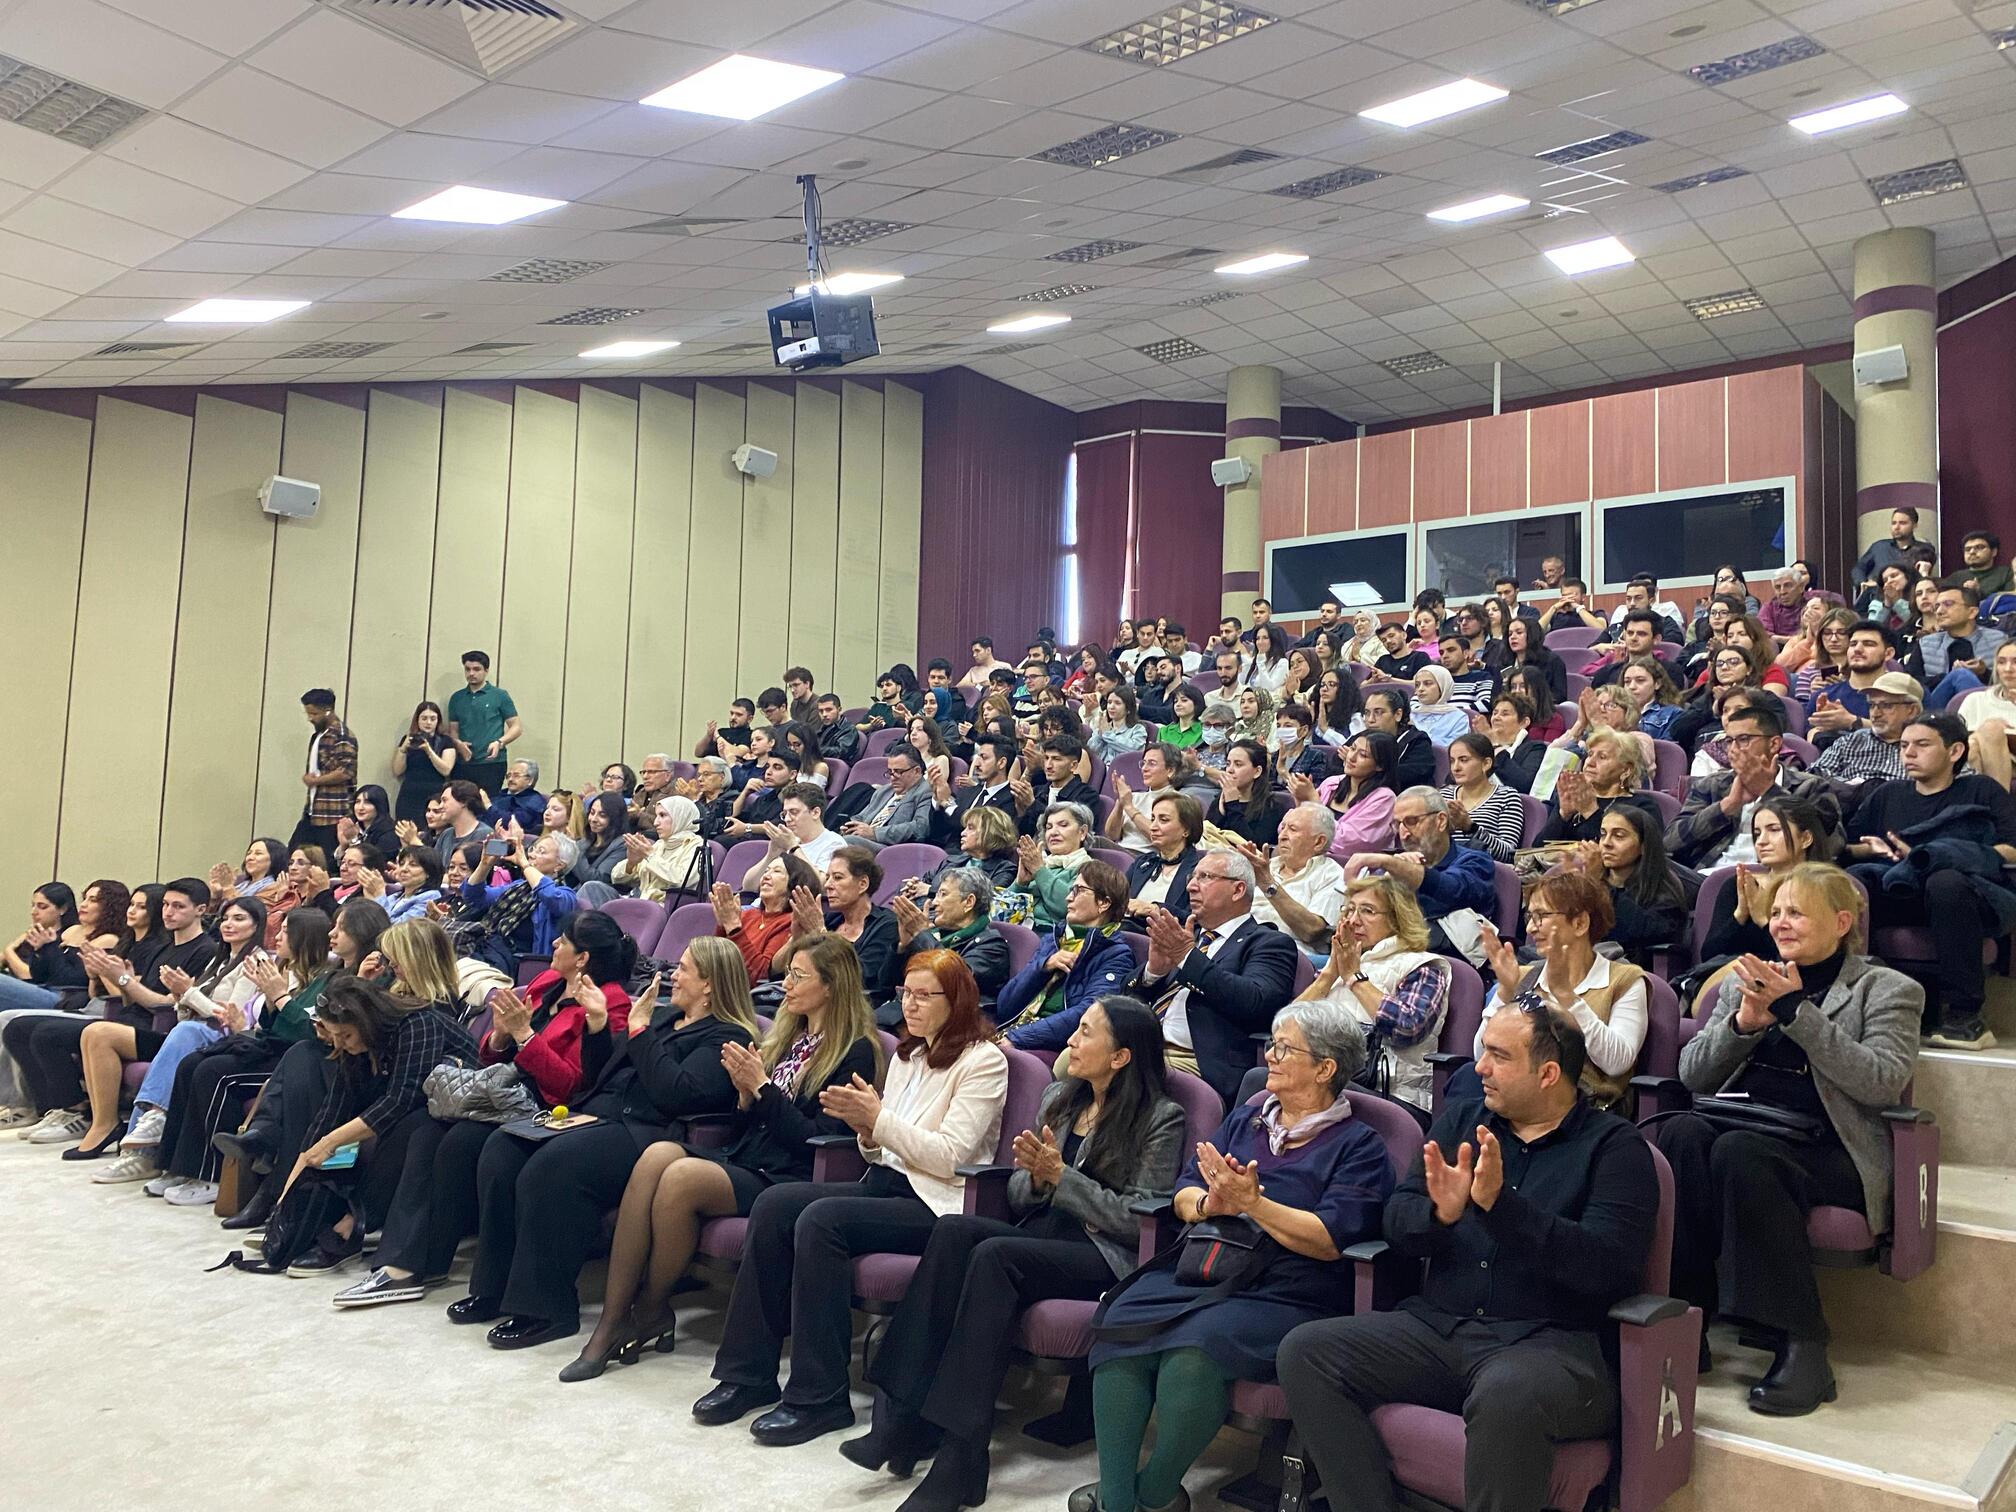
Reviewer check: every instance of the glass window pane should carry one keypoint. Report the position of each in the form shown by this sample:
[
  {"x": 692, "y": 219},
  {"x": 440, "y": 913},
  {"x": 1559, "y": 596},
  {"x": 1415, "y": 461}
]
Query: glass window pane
[
  {"x": 1691, "y": 537},
  {"x": 1360, "y": 571},
  {"x": 1463, "y": 556}
]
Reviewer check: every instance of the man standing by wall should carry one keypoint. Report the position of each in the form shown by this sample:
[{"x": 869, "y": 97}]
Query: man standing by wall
[
  {"x": 331, "y": 777},
  {"x": 483, "y": 722}
]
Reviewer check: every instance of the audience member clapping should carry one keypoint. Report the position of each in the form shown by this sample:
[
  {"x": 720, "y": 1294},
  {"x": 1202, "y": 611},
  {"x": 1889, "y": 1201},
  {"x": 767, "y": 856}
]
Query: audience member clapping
[
  {"x": 1299, "y": 889},
  {"x": 672, "y": 862},
  {"x": 1044, "y": 869},
  {"x": 955, "y": 918},
  {"x": 1613, "y": 770},
  {"x": 1483, "y": 811},
  {"x": 1990, "y": 717},
  {"x": 1455, "y": 884},
  {"x": 1647, "y": 900},
  {"x": 761, "y": 931}
]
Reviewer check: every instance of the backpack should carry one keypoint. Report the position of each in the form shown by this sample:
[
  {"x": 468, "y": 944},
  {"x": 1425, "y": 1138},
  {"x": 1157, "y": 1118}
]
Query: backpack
[{"x": 312, "y": 1206}]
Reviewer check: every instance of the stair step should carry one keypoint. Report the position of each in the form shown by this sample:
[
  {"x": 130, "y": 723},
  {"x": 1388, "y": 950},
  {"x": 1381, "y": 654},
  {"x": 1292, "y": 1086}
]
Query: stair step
[
  {"x": 1959, "y": 1310},
  {"x": 1970, "y": 1091}
]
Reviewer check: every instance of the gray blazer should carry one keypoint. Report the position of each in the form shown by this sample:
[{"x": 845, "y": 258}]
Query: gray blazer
[
  {"x": 909, "y": 821},
  {"x": 1862, "y": 1044},
  {"x": 1101, "y": 1208}
]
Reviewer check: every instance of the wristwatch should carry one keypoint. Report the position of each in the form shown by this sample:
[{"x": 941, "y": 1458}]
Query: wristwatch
[
  {"x": 125, "y": 977},
  {"x": 1361, "y": 977},
  {"x": 1272, "y": 889}
]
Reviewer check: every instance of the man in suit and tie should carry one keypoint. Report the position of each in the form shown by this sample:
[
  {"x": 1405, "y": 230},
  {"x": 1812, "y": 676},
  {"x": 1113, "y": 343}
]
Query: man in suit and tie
[
  {"x": 899, "y": 810},
  {"x": 986, "y": 785},
  {"x": 1218, "y": 978}
]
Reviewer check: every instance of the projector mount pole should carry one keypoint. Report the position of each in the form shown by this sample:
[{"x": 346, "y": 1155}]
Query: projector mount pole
[{"x": 815, "y": 255}]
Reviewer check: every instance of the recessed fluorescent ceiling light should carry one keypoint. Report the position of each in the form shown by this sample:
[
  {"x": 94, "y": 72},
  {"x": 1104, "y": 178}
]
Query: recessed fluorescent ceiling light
[
  {"x": 237, "y": 311},
  {"x": 741, "y": 88},
  {"x": 851, "y": 283},
  {"x": 1588, "y": 256},
  {"x": 629, "y": 349},
  {"x": 1855, "y": 113},
  {"x": 1433, "y": 104},
  {"x": 1469, "y": 210},
  {"x": 1021, "y": 325},
  {"x": 476, "y": 207},
  {"x": 1266, "y": 262}
]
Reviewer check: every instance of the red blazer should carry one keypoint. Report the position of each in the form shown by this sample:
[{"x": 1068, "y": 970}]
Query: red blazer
[{"x": 551, "y": 1059}]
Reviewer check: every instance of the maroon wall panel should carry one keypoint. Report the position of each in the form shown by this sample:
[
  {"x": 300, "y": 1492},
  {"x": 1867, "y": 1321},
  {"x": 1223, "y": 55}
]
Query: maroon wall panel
[
  {"x": 1693, "y": 438},
  {"x": 1977, "y": 397},
  {"x": 1498, "y": 463},
  {"x": 1624, "y": 426},
  {"x": 1442, "y": 471},
  {"x": 1284, "y": 487},
  {"x": 994, "y": 466},
  {"x": 1180, "y": 539},
  {"x": 1386, "y": 479},
  {"x": 1560, "y": 452},
  {"x": 1105, "y": 475},
  {"x": 1766, "y": 423},
  {"x": 1333, "y": 488}
]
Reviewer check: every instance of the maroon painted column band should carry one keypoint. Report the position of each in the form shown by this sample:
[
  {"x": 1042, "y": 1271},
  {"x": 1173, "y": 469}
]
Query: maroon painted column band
[
  {"x": 1239, "y": 582},
  {"x": 1265, "y": 429},
  {"x": 1896, "y": 496},
  {"x": 1897, "y": 297}
]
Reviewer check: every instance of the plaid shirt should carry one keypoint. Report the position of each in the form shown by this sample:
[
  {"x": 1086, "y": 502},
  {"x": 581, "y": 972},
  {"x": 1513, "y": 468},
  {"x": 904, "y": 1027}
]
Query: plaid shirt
[
  {"x": 339, "y": 754},
  {"x": 1414, "y": 1007},
  {"x": 1859, "y": 757}
]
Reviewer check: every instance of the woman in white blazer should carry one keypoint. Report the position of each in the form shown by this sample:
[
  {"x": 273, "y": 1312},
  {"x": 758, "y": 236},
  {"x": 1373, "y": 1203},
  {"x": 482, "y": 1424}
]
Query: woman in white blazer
[{"x": 940, "y": 1110}]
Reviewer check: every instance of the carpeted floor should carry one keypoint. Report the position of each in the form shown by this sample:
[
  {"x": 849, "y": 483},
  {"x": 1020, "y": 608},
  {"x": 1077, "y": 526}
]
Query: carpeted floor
[{"x": 141, "y": 1383}]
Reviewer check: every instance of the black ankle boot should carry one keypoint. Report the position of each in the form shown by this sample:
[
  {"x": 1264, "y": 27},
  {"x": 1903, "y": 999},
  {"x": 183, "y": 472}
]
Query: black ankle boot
[
  {"x": 254, "y": 1214},
  {"x": 896, "y": 1437},
  {"x": 957, "y": 1478},
  {"x": 1799, "y": 1381}
]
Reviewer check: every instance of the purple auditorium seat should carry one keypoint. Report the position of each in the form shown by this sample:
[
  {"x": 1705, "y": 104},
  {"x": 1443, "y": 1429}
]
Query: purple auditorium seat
[
  {"x": 1669, "y": 804},
  {"x": 853, "y": 716},
  {"x": 687, "y": 923},
  {"x": 1842, "y": 1237},
  {"x": 1505, "y": 910},
  {"x": 1137, "y": 942},
  {"x": 1532, "y": 818},
  {"x": 900, "y": 863},
  {"x": 530, "y": 966},
  {"x": 873, "y": 770},
  {"x": 1795, "y": 712},
  {"x": 1801, "y": 749},
  {"x": 879, "y": 741},
  {"x": 1669, "y": 767},
  {"x": 836, "y": 775},
  {"x": 1022, "y": 944},
  {"x": 1574, "y": 638},
  {"x": 742, "y": 855},
  {"x": 642, "y": 921},
  {"x": 1454, "y": 1046},
  {"x": 1113, "y": 856},
  {"x": 1575, "y": 685},
  {"x": 1128, "y": 765},
  {"x": 1441, "y": 766}
]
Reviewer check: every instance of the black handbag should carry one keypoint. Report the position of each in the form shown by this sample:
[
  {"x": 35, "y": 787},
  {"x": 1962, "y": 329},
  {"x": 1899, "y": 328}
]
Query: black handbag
[
  {"x": 1376, "y": 1075},
  {"x": 314, "y": 1204},
  {"x": 1219, "y": 1256},
  {"x": 1737, "y": 1113}
]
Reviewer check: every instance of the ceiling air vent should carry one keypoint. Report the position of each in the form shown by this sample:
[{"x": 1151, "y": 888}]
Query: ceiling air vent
[
  {"x": 593, "y": 315},
  {"x": 1414, "y": 364},
  {"x": 145, "y": 348},
  {"x": 1555, "y": 7},
  {"x": 59, "y": 107},
  {"x": 1705, "y": 176},
  {"x": 489, "y": 36},
  {"x": 1757, "y": 60},
  {"x": 1055, "y": 292},
  {"x": 1175, "y": 349},
  {"x": 1917, "y": 183},
  {"x": 1182, "y": 31},
  {"x": 490, "y": 347},
  {"x": 856, "y": 230},
  {"x": 1179, "y": 259},
  {"x": 1092, "y": 251},
  {"x": 1591, "y": 147},
  {"x": 1109, "y": 144},
  {"x": 547, "y": 270},
  {"x": 1328, "y": 183},
  {"x": 683, "y": 225},
  {"x": 1715, "y": 306},
  {"x": 331, "y": 351},
  {"x": 1245, "y": 157},
  {"x": 1196, "y": 301}
]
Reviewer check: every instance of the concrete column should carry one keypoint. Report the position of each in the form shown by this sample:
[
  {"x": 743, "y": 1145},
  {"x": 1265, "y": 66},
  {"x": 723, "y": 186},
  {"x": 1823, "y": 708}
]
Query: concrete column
[
  {"x": 1253, "y": 432},
  {"x": 1897, "y": 424}
]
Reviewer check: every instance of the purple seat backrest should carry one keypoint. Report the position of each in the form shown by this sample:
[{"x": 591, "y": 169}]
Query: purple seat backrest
[
  {"x": 1800, "y": 746},
  {"x": 853, "y": 716},
  {"x": 1361, "y": 671},
  {"x": 1441, "y": 765},
  {"x": 687, "y": 923},
  {"x": 1660, "y": 1054},
  {"x": 1659, "y": 1257},
  {"x": 1532, "y": 818},
  {"x": 716, "y": 854},
  {"x": 1128, "y": 765},
  {"x": 1669, "y": 804},
  {"x": 879, "y": 741},
  {"x": 1705, "y": 904},
  {"x": 1393, "y": 1124},
  {"x": 873, "y": 770},
  {"x": 836, "y": 774},
  {"x": 683, "y": 769},
  {"x": 1028, "y": 1077},
  {"x": 958, "y": 767},
  {"x": 1505, "y": 914},
  {"x": 1102, "y": 805},
  {"x": 742, "y": 855},
  {"x": 1465, "y": 1012},
  {"x": 643, "y": 922},
  {"x": 1137, "y": 942},
  {"x": 1574, "y": 638},
  {"x": 1022, "y": 943},
  {"x": 1114, "y": 857},
  {"x": 1098, "y": 765},
  {"x": 1203, "y": 1109},
  {"x": 1305, "y": 973},
  {"x": 900, "y": 863},
  {"x": 1388, "y": 685},
  {"x": 1795, "y": 712},
  {"x": 1576, "y": 684},
  {"x": 1669, "y": 767}
]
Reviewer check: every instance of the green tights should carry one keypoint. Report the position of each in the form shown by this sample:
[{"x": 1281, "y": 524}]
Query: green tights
[{"x": 1189, "y": 1397}]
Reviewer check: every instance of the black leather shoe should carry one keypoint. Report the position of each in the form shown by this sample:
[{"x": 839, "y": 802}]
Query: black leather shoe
[
  {"x": 475, "y": 1310},
  {"x": 1799, "y": 1381},
  {"x": 517, "y": 1332},
  {"x": 247, "y": 1148},
  {"x": 896, "y": 1438},
  {"x": 783, "y": 1426},
  {"x": 728, "y": 1402},
  {"x": 957, "y": 1478}
]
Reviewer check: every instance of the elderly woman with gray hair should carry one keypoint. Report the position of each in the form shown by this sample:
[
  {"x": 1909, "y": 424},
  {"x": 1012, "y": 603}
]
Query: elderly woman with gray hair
[
  {"x": 1045, "y": 874},
  {"x": 708, "y": 787},
  {"x": 1294, "y": 1168},
  {"x": 959, "y": 923}
]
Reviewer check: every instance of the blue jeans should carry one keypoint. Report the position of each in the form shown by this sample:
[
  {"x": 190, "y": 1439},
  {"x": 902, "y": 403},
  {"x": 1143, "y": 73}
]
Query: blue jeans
[
  {"x": 184, "y": 1040},
  {"x": 15, "y": 993},
  {"x": 1951, "y": 688}
]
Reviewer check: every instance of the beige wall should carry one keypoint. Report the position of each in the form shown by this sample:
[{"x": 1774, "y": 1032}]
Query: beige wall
[{"x": 159, "y": 629}]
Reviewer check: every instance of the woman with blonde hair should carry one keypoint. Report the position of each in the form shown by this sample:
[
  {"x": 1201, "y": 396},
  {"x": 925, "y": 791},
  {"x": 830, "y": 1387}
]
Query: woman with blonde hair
[
  {"x": 564, "y": 816},
  {"x": 1381, "y": 969},
  {"x": 823, "y": 1036},
  {"x": 423, "y": 966}
]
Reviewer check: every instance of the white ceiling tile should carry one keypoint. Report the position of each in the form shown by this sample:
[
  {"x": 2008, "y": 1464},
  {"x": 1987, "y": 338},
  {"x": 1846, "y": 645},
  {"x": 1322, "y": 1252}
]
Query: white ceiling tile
[
  {"x": 106, "y": 49},
  {"x": 228, "y": 27},
  {"x": 344, "y": 59},
  {"x": 256, "y": 107},
  {"x": 120, "y": 188},
  {"x": 21, "y": 296},
  {"x": 31, "y": 159},
  {"x": 180, "y": 152},
  {"x": 78, "y": 228}
]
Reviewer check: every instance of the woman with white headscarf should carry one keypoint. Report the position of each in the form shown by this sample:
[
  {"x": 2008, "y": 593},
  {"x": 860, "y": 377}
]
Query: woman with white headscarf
[
  {"x": 1436, "y": 717},
  {"x": 672, "y": 862}
]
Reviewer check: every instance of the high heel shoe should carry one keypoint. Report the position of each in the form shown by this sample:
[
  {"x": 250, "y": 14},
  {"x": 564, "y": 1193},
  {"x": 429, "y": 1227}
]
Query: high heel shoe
[
  {"x": 957, "y": 1478},
  {"x": 586, "y": 1366},
  {"x": 107, "y": 1146},
  {"x": 895, "y": 1438}
]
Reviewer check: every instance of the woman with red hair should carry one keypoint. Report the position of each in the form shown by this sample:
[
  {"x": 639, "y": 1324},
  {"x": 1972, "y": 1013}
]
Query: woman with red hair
[{"x": 940, "y": 1110}]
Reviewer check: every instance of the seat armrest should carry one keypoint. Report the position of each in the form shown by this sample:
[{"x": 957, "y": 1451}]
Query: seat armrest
[
  {"x": 986, "y": 1189},
  {"x": 1904, "y": 1113},
  {"x": 1445, "y": 1058},
  {"x": 828, "y": 1141},
  {"x": 1153, "y": 1207},
  {"x": 1157, "y": 1216},
  {"x": 711, "y": 1131},
  {"x": 971, "y": 1171},
  {"x": 1366, "y": 1251},
  {"x": 836, "y": 1157},
  {"x": 1646, "y": 1309}
]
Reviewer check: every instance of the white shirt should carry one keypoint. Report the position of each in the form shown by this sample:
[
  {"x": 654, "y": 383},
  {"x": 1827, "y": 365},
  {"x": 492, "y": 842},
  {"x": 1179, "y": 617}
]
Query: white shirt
[
  {"x": 1176, "y": 1017},
  {"x": 1318, "y": 887},
  {"x": 987, "y": 795},
  {"x": 1133, "y": 828},
  {"x": 1659, "y": 606},
  {"x": 821, "y": 848},
  {"x": 1613, "y": 1047}
]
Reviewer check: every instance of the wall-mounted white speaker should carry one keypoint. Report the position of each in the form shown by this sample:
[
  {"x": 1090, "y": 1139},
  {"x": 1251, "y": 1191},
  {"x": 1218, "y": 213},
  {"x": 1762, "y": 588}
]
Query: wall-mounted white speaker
[
  {"x": 290, "y": 497},
  {"x": 753, "y": 460},
  {"x": 1230, "y": 472},
  {"x": 1884, "y": 365}
]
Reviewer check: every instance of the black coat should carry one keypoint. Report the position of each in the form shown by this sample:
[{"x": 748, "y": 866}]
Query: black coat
[
  {"x": 775, "y": 1128},
  {"x": 1148, "y": 864},
  {"x": 656, "y": 1078},
  {"x": 1233, "y": 996}
]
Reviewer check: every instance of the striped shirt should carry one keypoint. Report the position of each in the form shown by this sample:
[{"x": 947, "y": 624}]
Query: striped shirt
[{"x": 1495, "y": 824}]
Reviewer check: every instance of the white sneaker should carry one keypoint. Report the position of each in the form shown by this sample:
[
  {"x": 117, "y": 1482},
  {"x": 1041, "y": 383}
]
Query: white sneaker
[
  {"x": 159, "y": 1186},
  {"x": 192, "y": 1194},
  {"x": 62, "y": 1126},
  {"x": 17, "y": 1118},
  {"x": 41, "y": 1123},
  {"x": 146, "y": 1128},
  {"x": 136, "y": 1166}
]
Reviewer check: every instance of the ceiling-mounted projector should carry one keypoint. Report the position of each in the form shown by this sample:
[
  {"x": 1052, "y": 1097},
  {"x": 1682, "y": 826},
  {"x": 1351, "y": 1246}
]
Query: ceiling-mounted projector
[{"x": 823, "y": 330}]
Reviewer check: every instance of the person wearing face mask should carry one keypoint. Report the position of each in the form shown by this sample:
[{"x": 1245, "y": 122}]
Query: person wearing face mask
[
  {"x": 1826, "y": 1039},
  {"x": 1215, "y": 735},
  {"x": 1296, "y": 753}
]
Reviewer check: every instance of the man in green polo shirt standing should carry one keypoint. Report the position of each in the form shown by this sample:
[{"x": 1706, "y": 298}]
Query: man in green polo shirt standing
[{"x": 483, "y": 722}]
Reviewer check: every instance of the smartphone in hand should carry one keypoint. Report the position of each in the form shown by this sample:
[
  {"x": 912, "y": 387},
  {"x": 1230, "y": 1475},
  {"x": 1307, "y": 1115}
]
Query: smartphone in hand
[{"x": 344, "y": 1158}]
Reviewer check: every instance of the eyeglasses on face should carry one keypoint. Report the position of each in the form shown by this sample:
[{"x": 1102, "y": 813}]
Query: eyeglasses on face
[
  {"x": 912, "y": 995},
  {"x": 1280, "y": 1050}
]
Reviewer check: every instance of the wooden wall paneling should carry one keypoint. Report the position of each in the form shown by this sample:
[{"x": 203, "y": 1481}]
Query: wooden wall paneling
[
  {"x": 314, "y": 583},
  {"x": 714, "y": 560},
  {"x": 42, "y": 490},
  {"x": 1693, "y": 434},
  {"x": 212, "y": 773},
  {"x": 1767, "y": 423},
  {"x": 1284, "y": 494},
  {"x": 1624, "y": 427},
  {"x": 1386, "y": 479},
  {"x": 475, "y": 490},
  {"x": 655, "y": 690},
  {"x": 598, "y": 591},
  {"x": 1498, "y": 463},
  {"x": 902, "y": 524},
  {"x": 1558, "y": 467},
  {"x": 531, "y": 657},
  {"x": 815, "y": 526},
  {"x": 860, "y": 553},
  {"x": 395, "y": 534},
  {"x": 116, "y": 746},
  {"x": 1333, "y": 487},
  {"x": 1442, "y": 471},
  {"x": 767, "y": 556}
]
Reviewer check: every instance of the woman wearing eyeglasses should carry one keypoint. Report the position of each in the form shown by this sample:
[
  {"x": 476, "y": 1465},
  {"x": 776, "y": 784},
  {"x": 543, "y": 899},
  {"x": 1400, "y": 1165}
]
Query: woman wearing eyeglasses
[
  {"x": 1074, "y": 963},
  {"x": 941, "y": 1110}
]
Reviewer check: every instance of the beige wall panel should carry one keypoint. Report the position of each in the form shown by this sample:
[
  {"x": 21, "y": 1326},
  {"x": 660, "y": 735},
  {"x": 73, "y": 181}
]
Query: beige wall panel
[
  {"x": 314, "y": 579},
  {"x": 860, "y": 551},
  {"x": 220, "y": 639},
  {"x": 388, "y": 633},
  {"x": 598, "y": 596},
  {"x": 656, "y": 691},
  {"x": 531, "y": 659},
  {"x": 714, "y": 561},
  {"x": 45, "y": 467},
  {"x": 767, "y": 556},
  {"x": 815, "y": 532},
  {"x": 468, "y": 536},
  {"x": 902, "y": 522},
  {"x": 117, "y": 742}
]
